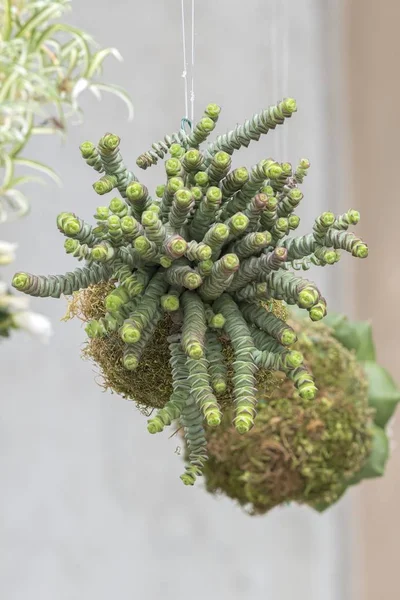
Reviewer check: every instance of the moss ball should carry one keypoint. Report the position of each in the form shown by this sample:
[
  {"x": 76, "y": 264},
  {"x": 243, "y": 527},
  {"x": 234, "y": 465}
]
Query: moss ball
[
  {"x": 298, "y": 450},
  {"x": 150, "y": 385}
]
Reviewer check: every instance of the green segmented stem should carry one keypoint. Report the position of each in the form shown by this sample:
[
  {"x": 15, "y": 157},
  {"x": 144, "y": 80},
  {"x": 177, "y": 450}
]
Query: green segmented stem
[
  {"x": 251, "y": 244},
  {"x": 322, "y": 225},
  {"x": 201, "y": 132},
  {"x": 105, "y": 185},
  {"x": 233, "y": 182},
  {"x": 194, "y": 325},
  {"x": 182, "y": 205},
  {"x": 91, "y": 155},
  {"x": 244, "y": 368},
  {"x": 220, "y": 277},
  {"x": 252, "y": 268},
  {"x": 118, "y": 207},
  {"x": 215, "y": 321},
  {"x": 134, "y": 283},
  {"x": 301, "y": 170},
  {"x": 175, "y": 246},
  {"x": 138, "y": 197},
  {"x": 56, "y": 285},
  {"x": 205, "y": 214},
  {"x": 242, "y": 197},
  {"x": 300, "y": 247},
  {"x": 202, "y": 180},
  {"x": 176, "y": 150},
  {"x": 174, "y": 184},
  {"x": 259, "y": 124},
  {"x": 216, "y": 365},
  {"x": 145, "y": 312},
  {"x": 148, "y": 250},
  {"x": 198, "y": 251},
  {"x": 173, "y": 168},
  {"x": 79, "y": 251},
  {"x": 213, "y": 111},
  {"x": 216, "y": 237},
  {"x": 103, "y": 252},
  {"x": 318, "y": 311},
  {"x": 343, "y": 222},
  {"x": 181, "y": 274},
  {"x": 270, "y": 214},
  {"x": 204, "y": 267},
  {"x": 133, "y": 352},
  {"x": 192, "y": 160},
  {"x": 116, "y": 299},
  {"x": 102, "y": 213},
  {"x": 293, "y": 221},
  {"x": 200, "y": 389},
  {"x": 237, "y": 224},
  {"x": 114, "y": 231},
  {"x": 160, "y": 149},
  {"x": 170, "y": 302},
  {"x": 254, "y": 209},
  {"x": 75, "y": 228},
  {"x": 113, "y": 164},
  {"x": 219, "y": 167},
  {"x": 192, "y": 421},
  {"x": 345, "y": 240},
  {"x": 289, "y": 202},
  {"x": 294, "y": 290},
  {"x": 154, "y": 229},
  {"x": 269, "y": 323},
  {"x": 304, "y": 382},
  {"x": 99, "y": 328},
  {"x": 131, "y": 228},
  {"x": 279, "y": 230},
  {"x": 174, "y": 407}
]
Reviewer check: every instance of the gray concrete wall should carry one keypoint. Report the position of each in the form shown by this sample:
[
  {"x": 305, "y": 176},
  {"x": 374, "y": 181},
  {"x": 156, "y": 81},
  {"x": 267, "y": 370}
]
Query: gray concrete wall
[{"x": 91, "y": 504}]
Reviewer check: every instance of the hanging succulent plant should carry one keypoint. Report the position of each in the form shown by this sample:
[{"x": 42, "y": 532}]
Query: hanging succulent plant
[
  {"x": 180, "y": 289},
  {"x": 304, "y": 451}
]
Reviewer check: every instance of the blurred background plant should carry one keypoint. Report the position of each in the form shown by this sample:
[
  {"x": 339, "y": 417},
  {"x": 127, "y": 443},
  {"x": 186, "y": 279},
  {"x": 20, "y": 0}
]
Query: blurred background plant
[{"x": 45, "y": 65}]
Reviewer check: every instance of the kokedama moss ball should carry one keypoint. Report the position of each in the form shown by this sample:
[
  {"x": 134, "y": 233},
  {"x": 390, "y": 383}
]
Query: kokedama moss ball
[
  {"x": 150, "y": 386},
  {"x": 298, "y": 450}
]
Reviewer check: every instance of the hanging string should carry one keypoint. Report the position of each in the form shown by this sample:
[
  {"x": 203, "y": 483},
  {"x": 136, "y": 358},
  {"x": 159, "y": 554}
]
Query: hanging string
[
  {"x": 273, "y": 36},
  {"x": 285, "y": 69},
  {"x": 185, "y": 65},
  {"x": 192, "y": 81},
  {"x": 184, "y": 72}
]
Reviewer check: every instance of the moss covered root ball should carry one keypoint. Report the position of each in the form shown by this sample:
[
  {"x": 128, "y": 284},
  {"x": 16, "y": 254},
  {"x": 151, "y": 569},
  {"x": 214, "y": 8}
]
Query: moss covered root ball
[{"x": 298, "y": 450}]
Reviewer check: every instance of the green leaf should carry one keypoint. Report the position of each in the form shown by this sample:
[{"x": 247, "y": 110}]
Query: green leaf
[
  {"x": 7, "y": 24},
  {"x": 117, "y": 91},
  {"x": 323, "y": 506},
  {"x": 97, "y": 61},
  {"x": 8, "y": 171},
  {"x": 383, "y": 393},
  {"x": 50, "y": 12},
  {"x": 376, "y": 462},
  {"x": 354, "y": 335},
  {"x": 38, "y": 166}
]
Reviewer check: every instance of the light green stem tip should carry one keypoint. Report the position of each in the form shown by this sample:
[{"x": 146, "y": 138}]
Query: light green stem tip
[{"x": 20, "y": 281}]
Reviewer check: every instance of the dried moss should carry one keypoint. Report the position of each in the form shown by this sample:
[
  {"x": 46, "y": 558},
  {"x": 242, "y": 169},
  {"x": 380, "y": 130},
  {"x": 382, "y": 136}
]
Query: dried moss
[
  {"x": 150, "y": 386},
  {"x": 298, "y": 450}
]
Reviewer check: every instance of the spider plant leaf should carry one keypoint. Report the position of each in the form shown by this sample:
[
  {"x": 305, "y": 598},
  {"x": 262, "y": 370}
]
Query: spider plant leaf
[
  {"x": 98, "y": 59},
  {"x": 117, "y": 91},
  {"x": 38, "y": 166},
  {"x": 38, "y": 19},
  {"x": 8, "y": 171}
]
